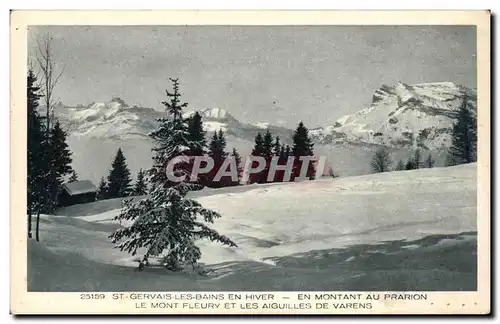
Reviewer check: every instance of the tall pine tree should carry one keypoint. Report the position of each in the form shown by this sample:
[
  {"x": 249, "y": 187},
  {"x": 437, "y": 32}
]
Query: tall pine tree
[
  {"x": 236, "y": 156},
  {"x": 36, "y": 155},
  {"x": 196, "y": 135},
  {"x": 140, "y": 187},
  {"x": 119, "y": 177},
  {"x": 463, "y": 147},
  {"x": 429, "y": 162},
  {"x": 288, "y": 151},
  {"x": 267, "y": 144},
  {"x": 171, "y": 141},
  {"x": 277, "y": 147},
  {"x": 302, "y": 146},
  {"x": 197, "y": 144},
  {"x": 410, "y": 164},
  {"x": 417, "y": 159},
  {"x": 166, "y": 223},
  {"x": 214, "y": 148},
  {"x": 59, "y": 157},
  {"x": 102, "y": 190},
  {"x": 217, "y": 151},
  {"x": 222, "y": 142},
  {"x": 302, "y": 143},
  {"x": 258, "y": 150}
]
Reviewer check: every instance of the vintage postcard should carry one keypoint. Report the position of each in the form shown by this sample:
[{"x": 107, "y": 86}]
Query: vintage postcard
[{"x": 250, "y": 162}]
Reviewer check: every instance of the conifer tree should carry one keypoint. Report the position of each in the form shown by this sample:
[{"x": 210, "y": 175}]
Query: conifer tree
[
  {"x": 174, "y": 106},
  {"x": 429, "y": 162},
  {"x": 410, "y": 165},
  {"x": 73, "y": 176},
  {"x": 102, "y": 189},
  {"x": 282, "y": 153},
  {"x": 400, "y": 166},
  {"x": 60, "y": 152},
  {"x": 258, "y": 149},
  {"x": 302, "y": 146},
  {"x": 217, "y": 151},
  {"x": 236, "y": 156},
  {"x": 59, "y": 159},
  {"x": 197, "y": 144},
  {"x": 381, "y": 161},
  {"x": 417, "y": 159},
  {"x": 140, "y": 187},
  {"x": 166, "y": 223},
  {"x": 288, "y": 151},
  {"x": 119, "y": 177},
  {"x": 171, "y": 140},
  {"x": 214, "y": 145},
  {"x": 268, "y": 147},
  {"x": 196, "y": 137},
  {"x": 277, "y": 147},
  {"x": 302, "y": 143},
  {"x": 463, "y": 147},
  {"x": 36, "y": 155},
  {"x": 279, "y": 152},
  {"x": 267, "y": 144},
  {"x": 222, "y": 143}
]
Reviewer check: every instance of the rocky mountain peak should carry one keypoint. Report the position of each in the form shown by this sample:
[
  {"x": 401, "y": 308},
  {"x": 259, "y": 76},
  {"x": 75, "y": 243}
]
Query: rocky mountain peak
[{"x": 403, "y": 115}]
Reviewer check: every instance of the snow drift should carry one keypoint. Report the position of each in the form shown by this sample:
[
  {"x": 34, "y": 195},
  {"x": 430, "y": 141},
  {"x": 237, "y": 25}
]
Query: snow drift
[{"x": 408, "y": 230}]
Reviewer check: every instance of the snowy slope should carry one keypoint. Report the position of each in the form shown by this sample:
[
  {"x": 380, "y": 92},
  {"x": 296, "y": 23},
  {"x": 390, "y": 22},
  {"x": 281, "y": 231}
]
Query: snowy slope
[
  {"x": 392, "y": 231},
  {"x": 403, "y": 116}
]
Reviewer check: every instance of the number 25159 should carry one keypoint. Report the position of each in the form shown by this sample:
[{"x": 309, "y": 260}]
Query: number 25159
[{"x": 92, "y": 296}]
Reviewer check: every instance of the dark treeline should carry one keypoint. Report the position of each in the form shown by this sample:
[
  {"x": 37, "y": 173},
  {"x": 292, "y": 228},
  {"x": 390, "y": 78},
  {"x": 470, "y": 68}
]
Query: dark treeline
[
  {"x": 118, "y": 183},
  {"x": 268, "y": 147},
  {"x": 48, "y": 158}
]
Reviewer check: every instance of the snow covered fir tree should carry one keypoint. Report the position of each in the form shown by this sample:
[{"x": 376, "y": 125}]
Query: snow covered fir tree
[
  {"x": 463, "y": 148},
  {"x": 140, "y": 186},
  {"x": 167, "y": 223}
]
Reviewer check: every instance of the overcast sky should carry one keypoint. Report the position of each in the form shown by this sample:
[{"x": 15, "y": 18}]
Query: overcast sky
[{"x": 275, "y": 74}]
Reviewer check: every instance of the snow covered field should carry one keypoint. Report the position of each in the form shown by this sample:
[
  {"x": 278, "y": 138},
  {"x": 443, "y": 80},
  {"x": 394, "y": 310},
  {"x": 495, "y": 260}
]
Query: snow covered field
[{"x": 407, "y": 230}]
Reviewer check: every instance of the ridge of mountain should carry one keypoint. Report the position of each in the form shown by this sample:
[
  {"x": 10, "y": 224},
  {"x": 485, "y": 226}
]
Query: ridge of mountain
[{"x": 419, "y": 115}]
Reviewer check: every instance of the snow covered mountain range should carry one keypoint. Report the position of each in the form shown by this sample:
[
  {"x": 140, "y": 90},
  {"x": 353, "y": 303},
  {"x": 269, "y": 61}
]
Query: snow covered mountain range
[
  {"x": 218, "y": 118},
  {"x": 114, "y": 119},
  {"x": 401, "y": 116},
  {"x": 396, "y": 118},
  {"x": 419, "y": 115},
  {"x": 117, "y": 120}
]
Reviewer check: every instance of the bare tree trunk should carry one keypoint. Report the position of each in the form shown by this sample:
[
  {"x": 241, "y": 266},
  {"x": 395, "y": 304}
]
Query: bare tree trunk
[
  {"x": 38, "y": 225},
  {"x": 29, "y": 221}
]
